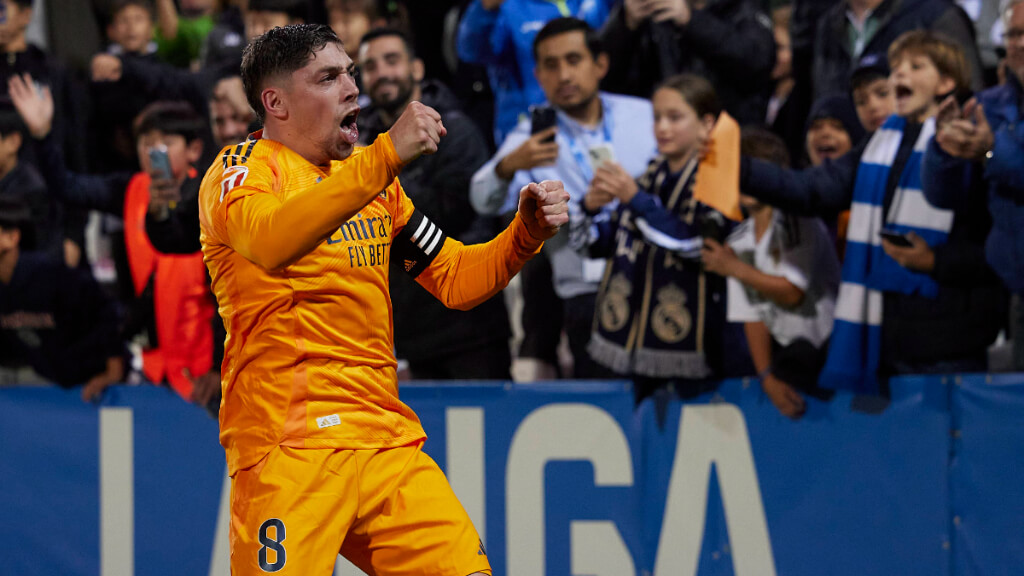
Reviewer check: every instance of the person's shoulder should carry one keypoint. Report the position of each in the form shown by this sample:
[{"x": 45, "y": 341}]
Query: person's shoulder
[{"x": 630, "y": 106}]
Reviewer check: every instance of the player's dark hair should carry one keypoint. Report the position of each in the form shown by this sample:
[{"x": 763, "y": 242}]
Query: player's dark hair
[
  {"x": 762, "y": 143},
  {"x": 294, "y": 9},
  {"x": 383, "y": 32},
  {"x": 564, "y": 25},
  {"x": 11, "y": 122},
  {"x": 278, "y": 52},
  {"x": 696, "y": 91},
  {"x": 22, "y": 3},
  {"x": 170, "y": 117}
]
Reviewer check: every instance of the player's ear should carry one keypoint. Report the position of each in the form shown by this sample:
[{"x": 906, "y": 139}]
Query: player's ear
[{"x": 274, "y": 102}]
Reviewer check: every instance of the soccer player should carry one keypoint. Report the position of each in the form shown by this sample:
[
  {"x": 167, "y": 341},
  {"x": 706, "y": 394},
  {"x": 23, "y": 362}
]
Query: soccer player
[{"x": 298, "y": 228}]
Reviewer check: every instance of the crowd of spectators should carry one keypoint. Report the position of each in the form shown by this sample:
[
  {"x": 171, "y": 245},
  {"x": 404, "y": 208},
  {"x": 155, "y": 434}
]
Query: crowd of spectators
[{"x": 881, "y": 172}]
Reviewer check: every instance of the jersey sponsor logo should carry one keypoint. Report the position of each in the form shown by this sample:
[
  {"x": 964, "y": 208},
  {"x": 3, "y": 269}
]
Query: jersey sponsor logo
[
  {"x": 233, "y": 178},
  {"x": 328, "y": 421}
]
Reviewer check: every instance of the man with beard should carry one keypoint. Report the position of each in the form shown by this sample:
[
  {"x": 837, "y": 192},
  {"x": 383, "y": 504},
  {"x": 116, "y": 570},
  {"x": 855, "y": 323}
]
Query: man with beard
[
  {"x": 588, "y": 126},
  {"x": 473, "y": 344},
  {"x": 298, "y": 228}
]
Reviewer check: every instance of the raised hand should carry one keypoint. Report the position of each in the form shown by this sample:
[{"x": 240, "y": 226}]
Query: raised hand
[
  {"x": 966, "y": 134},
  {"x": 417, "y": 131},
  {"x": 544, "y": 208},
  {"x": 536, "y": 151},
  {"x": 34, "y": 104},
  {"x": 106, "y": 68}
]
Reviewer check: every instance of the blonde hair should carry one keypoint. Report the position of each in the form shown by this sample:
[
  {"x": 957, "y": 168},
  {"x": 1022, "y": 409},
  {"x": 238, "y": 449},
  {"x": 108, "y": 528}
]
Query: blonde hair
[{"x": 944, "y": 52}]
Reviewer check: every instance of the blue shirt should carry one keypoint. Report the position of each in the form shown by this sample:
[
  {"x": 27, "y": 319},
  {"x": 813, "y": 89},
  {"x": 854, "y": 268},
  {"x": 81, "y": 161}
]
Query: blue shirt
[{"x": 627, "y": 124}]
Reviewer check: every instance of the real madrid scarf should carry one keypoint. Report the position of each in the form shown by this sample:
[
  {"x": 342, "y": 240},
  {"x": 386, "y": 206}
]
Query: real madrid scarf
[
  {"x": 868, "y": 271},
  {"x": 652, "y": 316}
]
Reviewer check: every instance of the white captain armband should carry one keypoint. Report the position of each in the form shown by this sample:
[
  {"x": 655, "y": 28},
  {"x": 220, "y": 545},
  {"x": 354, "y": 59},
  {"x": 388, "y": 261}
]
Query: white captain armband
[{"x": 418, "y": 243}]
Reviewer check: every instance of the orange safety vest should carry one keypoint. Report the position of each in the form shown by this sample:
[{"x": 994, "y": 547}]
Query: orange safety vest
[{"x": 181, "y": 298}]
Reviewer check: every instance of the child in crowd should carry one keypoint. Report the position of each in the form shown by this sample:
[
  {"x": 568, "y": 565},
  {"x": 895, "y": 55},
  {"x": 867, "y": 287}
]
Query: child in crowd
[
  {"x": 832, "y": 130},
  {"x": 262, "y": 15},
  {"x": 916, "y": 294},
  {"x": 783, "y": 279},
  {"x": 180, "y": 36},
  {"x": 54, "y": 320},
  {"x": 872, "y": 95},
  {"x": 130, "y": 29},
  {"x": 659, "y": 317},
  {"x": 173, "y": 307}
]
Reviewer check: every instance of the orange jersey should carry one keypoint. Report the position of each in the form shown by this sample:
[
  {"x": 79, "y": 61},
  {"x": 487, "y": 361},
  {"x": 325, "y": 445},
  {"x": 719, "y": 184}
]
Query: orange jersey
[{"x": 299, "y": 258}]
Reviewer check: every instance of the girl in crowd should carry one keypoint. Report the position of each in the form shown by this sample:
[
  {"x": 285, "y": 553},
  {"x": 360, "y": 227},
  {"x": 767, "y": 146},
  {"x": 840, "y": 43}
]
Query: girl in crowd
[{"x": 659, "y": 317}]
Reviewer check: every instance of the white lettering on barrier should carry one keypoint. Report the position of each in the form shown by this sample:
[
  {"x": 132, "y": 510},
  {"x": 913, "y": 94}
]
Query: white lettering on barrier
[
  {"x": 713, "y": 433},
  {"x": 117, "y": 492},
  {"x": 598, "y": 550},
  {"x": 549, "y": 433},
  {"x": 220, "y": 560},
  {"x": 467, "y": 462}
]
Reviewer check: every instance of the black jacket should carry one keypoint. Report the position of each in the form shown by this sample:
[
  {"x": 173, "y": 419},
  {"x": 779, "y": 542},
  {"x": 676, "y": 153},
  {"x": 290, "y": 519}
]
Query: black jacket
[
  {"x": 438, "y": 185},
  {"x": 56, "y": 320},
  {"x": 730, "y": 43},
  {"x": 971, "y": 307},
  {"x": 833, "y": 61}
]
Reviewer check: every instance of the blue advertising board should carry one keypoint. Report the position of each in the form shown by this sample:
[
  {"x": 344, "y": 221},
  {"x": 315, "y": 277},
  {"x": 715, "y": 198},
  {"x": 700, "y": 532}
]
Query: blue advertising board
[{"x": 565, "y": 478}]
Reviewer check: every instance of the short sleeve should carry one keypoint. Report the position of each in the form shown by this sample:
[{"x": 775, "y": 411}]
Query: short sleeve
[{"x": 739, "y": 308}]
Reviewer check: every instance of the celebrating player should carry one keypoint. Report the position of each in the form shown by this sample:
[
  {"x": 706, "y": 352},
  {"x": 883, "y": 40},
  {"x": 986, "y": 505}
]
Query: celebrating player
[{"x": 298, "y": 229}]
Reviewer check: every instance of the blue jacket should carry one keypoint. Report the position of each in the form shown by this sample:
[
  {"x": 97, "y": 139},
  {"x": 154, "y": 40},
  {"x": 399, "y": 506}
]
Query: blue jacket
[
  {"x": 503, "y": 40},
  {"x": 948, "y": 181}
]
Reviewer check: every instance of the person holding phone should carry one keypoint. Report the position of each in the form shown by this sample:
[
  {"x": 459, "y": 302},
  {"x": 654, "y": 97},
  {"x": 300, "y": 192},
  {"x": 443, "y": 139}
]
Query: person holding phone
[
  {"x": 556, "y": 143},
  {"x": 660, "y": 315},
  {"x": 172, "y": 310}
]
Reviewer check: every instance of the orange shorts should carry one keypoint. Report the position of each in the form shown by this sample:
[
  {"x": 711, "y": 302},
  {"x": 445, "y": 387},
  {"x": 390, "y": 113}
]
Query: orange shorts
[{"x": 390, "y": 512}]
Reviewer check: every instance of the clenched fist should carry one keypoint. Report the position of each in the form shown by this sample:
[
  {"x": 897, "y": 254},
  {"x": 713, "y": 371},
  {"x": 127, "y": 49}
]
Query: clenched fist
[
  {"x": 544, "y": 208},
  {"x": 417, "y": 131}
]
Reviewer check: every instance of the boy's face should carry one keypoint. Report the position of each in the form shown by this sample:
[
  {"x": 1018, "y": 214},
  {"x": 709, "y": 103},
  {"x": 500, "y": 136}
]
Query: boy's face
[
  {"x": 131, "y": 28},
  {"x": 874, "y": 101},
  {"x": 917, "y": 85},
  {"x": 350, "y": 26},
  {"x": 258, "y": 21},
  {"x": 827, "y": 139},
  {"x": 13, "y": 30},
  {"x": 181, "y": 154},
  {"x": 9, "y": 240}
]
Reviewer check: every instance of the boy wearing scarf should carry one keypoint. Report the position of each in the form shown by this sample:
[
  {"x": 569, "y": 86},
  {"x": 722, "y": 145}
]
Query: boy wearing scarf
[{"x": 931, "y": 304}]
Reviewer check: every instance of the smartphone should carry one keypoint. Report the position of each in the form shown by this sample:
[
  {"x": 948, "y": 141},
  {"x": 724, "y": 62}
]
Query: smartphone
[
  {"x": 712, "y": 225},
  {"x": 159, "y": 162},
  {"x": 542, "y": 118},
  {"x": 896, "y": 238},
  {"x": 601, "y": 154}
]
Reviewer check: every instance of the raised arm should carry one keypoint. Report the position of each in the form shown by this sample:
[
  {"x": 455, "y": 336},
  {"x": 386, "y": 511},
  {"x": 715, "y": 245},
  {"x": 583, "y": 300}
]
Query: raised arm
[
  {"x": 274, "y": 233},
  {"x": 463, "y": 276}
]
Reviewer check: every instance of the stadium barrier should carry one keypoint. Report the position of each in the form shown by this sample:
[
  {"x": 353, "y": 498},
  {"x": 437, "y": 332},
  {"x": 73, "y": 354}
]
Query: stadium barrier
[{"x": 565, "y": 478}]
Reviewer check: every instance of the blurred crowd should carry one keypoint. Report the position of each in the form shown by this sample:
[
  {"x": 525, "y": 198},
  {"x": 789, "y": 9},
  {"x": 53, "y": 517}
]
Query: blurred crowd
[{"x": 880, "y": 229}]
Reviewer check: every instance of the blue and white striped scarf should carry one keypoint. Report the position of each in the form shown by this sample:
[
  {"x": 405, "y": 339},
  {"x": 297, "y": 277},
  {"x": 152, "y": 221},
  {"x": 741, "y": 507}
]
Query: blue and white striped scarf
[{"x": 868, "y": 271}]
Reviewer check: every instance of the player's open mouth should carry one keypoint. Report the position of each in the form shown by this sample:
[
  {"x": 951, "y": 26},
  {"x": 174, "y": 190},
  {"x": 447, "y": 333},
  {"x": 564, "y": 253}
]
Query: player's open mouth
[{"x": 349, "y": 130}]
